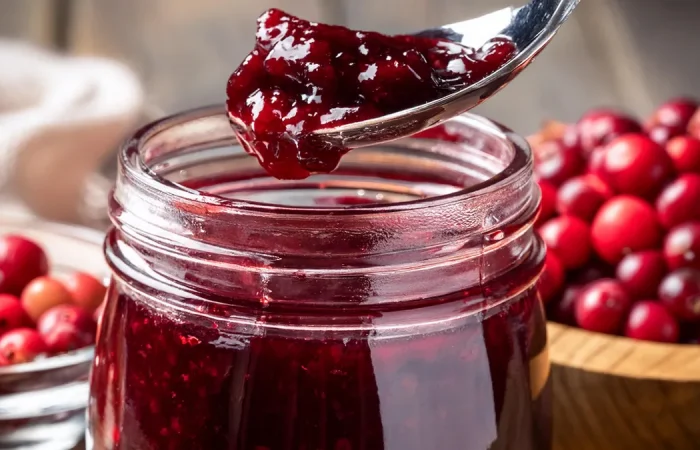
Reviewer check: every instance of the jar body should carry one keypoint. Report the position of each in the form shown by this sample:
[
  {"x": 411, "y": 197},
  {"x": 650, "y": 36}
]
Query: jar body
[{"x": 195, "y": 364}]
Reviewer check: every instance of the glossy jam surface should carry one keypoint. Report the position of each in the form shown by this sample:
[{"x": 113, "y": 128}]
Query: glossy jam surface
[
  {"x": 165, "y": 378},
  {"x": 305, "y": 76}
]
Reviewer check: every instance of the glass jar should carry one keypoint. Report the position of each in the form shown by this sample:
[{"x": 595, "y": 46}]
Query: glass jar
[{"x": 390, "y": 305}]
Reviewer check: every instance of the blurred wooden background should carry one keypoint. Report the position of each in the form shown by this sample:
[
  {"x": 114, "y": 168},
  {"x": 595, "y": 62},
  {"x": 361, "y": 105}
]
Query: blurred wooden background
[{"x": 629, "y": 53}]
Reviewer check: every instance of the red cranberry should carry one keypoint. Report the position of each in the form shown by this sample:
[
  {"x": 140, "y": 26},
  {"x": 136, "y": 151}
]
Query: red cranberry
[
  {"x": 596, "y": 160},
  {"x": 679, "y": 201},
  {"x": 569, "y": 238},
  {"x": 42, "y": 294},
  {"x": 682, "y": 246},
  {"x": 680, "y": 293},
  {"x": 552, "y": 278},
  {"x": 22, "y": 345},
  {"x": 598, "y": 127},
  {"x": 624, "y": 224},
  {"x": 86, "y": 290},
  {"x": 602, "y": 306},
  {"x": 674, "y": 115},
  {"x": 21, "y": 260},
  {"x": 547, "y": 202},
  {"x": 650, "y": 321},
  {"x": 67, "y": 327},
  {"x": 634, "y": 164},
  {"x": 640, "y": 273},
  {"x": 694, "y": 125},
  {"x": 685, "y": 154},
  {"x": 12, "y": 314},
  {"x": 591, "y": 272},
  {"x": 557, "y": 162},
  {"x": 582, "y": 196},
  {"x": 563, "y": 311},
  {"x": 661, "y": 134}
]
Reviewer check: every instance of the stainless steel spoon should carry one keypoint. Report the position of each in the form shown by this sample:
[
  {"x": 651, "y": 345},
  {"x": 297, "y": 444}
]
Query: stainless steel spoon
[{"x": 531, "y": 27}]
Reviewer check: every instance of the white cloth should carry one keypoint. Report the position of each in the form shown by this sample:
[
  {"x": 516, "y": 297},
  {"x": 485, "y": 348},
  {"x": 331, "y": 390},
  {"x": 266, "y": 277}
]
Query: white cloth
[{"x": 60, "y": 116}]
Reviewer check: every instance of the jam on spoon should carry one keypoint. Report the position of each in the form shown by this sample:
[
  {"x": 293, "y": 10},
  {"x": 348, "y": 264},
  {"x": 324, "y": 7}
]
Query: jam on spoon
[{"x": 304, "y": 76}]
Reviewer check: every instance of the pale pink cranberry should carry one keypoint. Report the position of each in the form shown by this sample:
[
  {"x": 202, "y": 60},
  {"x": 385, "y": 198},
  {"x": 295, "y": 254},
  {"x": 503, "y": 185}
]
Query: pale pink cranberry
[
  {"x": 552, "y": 279},
  {"x": 640, "y": 273},
  {"x": 42, "y": 294},
  {"x": 682, "y": 246},
  {"x": 569, "y": 238},
  {"x": 650, "y": 321},
  {"x": 22, "y": 345},
  {"x": 598, "y": 127},
  {"x": 582, "y": 196},
  {"x": 67, "y": 327},
  {"x": 623, "y": 225},
  {"x": 12, "y": 315},
  {"x": 679, "y": 201},
  {"x": 547, "y": 202},
  {"x": 557, "y": 162},
  {"x": 680, "y": 293},
  {"x": 21, "y": 260},
  {"x": 602, "y": 306},
  {"x": 685, "y": 154},
  {"x": 634, "y": 164}
]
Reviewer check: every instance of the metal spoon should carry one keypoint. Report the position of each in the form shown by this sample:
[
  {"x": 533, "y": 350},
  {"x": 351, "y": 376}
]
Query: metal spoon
[{"x": 531, "y": 27}]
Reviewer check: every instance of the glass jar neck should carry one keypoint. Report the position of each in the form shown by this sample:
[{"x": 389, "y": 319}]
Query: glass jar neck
[{"x": 452, "y": 209}]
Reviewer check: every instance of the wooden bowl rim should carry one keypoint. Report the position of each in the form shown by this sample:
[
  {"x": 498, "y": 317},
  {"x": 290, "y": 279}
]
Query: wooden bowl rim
[{"x": 621, "y": 356}]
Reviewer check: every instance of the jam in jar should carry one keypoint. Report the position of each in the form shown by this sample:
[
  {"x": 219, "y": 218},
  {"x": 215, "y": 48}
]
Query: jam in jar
[{"x": 389, "y": 305}]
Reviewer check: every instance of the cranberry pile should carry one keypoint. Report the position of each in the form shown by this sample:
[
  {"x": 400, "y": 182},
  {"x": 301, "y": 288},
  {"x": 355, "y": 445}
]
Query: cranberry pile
[
  {"x": 303, "y": 76},
  {"x": 42, "y": 315},
  {"x": 620, "y": 216}
]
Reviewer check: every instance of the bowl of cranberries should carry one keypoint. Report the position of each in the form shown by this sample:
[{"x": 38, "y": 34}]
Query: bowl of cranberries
[
  {"x": 620, "y": 217},
  {"x": 51, "y": 290}
]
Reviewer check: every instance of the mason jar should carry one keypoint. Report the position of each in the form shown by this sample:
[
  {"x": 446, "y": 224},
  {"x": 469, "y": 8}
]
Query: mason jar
[{"x": 389, "y": 305}]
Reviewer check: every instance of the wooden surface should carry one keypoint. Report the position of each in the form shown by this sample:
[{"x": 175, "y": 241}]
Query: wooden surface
[
  {"x": 612, "y": 393},
  {"x": 184, "y": 50}
]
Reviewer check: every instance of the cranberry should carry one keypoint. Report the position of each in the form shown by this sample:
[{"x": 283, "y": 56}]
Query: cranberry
[
  {"x": 569, "y": 238},
  {"x": 67, "y": 327},
  {"x": 563, "y": 311},
  {"x": 557, "y": 162},
  {"x": 640, "y": 273},
  {"x": 42, "y": 294},
  {"x": 624, "y": 224},
  {"x": 634, "y": 164},
  {"x": 682, "y": 246},
  {"x": 582, "y": 196},
  {"x": 552, "y": 278},
  {"x": 12, "y": 314},
  {"x": 21, "y": 260},
  {"x": 596, "y": 160},
  {"x": 685, "y": 154},
  {"x": 304, "y": 76},
  {"x": 22, "y": 345},
  {"x": 547, "y": 202},
  {"x": 590, "y": 272},
  {"x": 680, "y": 293},
  {"x": 602, "y": 306},
  {"x": 86, "y": 291},
  {"x": 673, "y": 116},
  {"x": 598, "y": 127},
  {"x": 694, "y": 125},
  {"x": 650, "y": 321},
  {"x": 679, "y": 201}
]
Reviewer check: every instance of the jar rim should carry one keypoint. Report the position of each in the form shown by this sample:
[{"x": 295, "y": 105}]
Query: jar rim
[{"x": 138, "y": 170}]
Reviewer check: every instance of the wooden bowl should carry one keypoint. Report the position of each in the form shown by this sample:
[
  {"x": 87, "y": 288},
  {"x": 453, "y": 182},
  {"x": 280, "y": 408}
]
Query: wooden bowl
[{"x": 615, "y": 393}]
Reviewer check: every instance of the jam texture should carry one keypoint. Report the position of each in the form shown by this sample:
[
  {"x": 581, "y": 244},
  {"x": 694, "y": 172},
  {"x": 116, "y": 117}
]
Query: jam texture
[
  {"x": 304, "y": 76},
  {"x": 169, "y": 379}
]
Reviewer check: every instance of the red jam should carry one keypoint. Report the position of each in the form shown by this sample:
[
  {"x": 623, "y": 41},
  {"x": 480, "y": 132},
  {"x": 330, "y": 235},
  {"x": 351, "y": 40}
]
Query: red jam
[
  {"x": 305, "y": 76},
  {"x": 166, "y": 379}
]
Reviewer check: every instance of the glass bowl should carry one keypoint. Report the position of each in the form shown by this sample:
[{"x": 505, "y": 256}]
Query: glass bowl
[{"x": 42, "y": 403}]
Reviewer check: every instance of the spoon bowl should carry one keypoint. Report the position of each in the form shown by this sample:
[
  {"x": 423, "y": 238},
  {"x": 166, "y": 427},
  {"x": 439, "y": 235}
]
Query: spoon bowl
[{"x": 530, "y": 27}]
